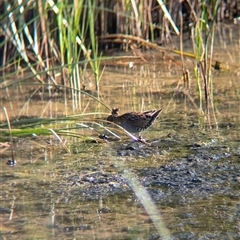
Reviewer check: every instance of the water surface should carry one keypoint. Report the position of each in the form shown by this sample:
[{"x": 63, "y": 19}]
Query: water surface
[{"x": 191, "y": 170}]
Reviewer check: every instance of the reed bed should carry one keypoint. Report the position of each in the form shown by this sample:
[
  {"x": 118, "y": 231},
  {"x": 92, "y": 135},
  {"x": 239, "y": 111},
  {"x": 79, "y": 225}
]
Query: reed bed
[
  {"x": 63, "y": 44},
  {"x": 65, "y": 38},
  {"x": 58, "y": 45}
]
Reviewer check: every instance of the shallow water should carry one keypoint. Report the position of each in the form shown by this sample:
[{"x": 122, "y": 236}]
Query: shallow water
[{"x": 191, "y": 170}]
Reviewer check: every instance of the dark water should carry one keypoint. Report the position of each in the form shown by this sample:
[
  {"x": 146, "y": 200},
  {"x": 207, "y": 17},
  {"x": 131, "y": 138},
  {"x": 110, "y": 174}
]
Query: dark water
[{"x": 191, "y": 169}]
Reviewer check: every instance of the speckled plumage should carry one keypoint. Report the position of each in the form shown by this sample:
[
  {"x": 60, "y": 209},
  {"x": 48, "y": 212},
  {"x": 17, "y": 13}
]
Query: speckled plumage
[{"x": 134, "y": 122}]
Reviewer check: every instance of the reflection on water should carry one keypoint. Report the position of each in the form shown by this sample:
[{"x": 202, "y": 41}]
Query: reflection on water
[{"x": 52, "y": 194}]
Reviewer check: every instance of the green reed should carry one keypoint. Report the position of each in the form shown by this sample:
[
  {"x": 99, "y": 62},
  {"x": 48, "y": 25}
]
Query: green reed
[
  {"x": 95, "y": 65},
  {"x": 56, "y": 35},
  {"x": 203, "y": 42}
]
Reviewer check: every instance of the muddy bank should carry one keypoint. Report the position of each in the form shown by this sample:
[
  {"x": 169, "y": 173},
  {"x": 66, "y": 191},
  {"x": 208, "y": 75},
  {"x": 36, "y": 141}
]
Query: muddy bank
[
  {"x": 203, "y": 171},
  {"x": 204, "y": 176}
]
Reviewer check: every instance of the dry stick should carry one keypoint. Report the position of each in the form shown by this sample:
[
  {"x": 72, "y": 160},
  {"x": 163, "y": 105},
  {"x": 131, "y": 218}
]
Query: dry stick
[
  {"x": 185, "y": 72},
  {"x": 150, "y": 18},
  {"x": 12, "y": 208},
  {"x": 136, "y": 52},
  {"x": 93, "y": 129},
  {"x": 181, "y": 43},
  {"x": 9, "y": 128},
  {"x": 147, "y": 43},
  {"x": 59, "y": 139},
  {"x": 145, "y": 28},
  {"x": 151, "y": 45},
  {"x": 205, "y": 86}
]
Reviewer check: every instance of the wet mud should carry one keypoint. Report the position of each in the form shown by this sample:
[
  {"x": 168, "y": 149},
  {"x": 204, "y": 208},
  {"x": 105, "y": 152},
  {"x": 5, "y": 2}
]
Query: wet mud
[{"x": 196, "y": 172}]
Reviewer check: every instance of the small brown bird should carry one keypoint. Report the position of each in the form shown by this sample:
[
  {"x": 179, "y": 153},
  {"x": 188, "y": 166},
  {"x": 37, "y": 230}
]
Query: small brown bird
[{"x": 134, "y": 122}]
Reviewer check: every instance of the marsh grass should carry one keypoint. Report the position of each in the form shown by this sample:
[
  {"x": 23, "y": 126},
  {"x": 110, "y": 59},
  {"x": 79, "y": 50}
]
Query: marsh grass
[
  {"x": 67, "y": 39},
  {"x": 61, "y": 129},
  {"x": 203, "y": 43}
]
